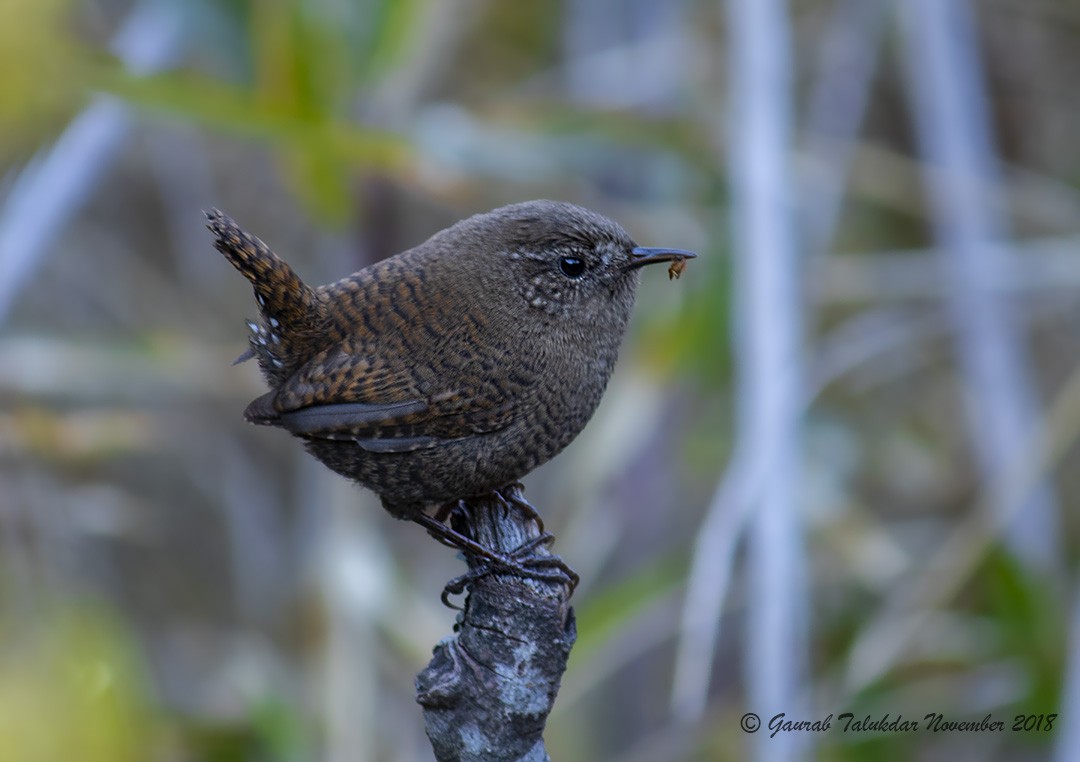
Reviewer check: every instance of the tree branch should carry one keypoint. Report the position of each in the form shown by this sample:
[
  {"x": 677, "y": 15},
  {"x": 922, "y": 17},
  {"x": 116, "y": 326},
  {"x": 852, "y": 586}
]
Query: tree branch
[{"x": 489, "y": 688}]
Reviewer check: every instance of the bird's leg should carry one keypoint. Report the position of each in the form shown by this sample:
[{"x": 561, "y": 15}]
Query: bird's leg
[
  {"x": 439, "y": 528},
  {"x": 457, "y": 585},
  {"x": 528, "y": 564},
  {"x": 515, "y": 495},
  {"x": 492, "y": 561},
  {"x": 443, "y": 512},
  {"x": 521, "y": 561},
  {"x": 564, "y": 572},
  {"x": 453, "y": 539},
  {"x": 509, "y": 496},
  {"x": 528, "y": 567}
]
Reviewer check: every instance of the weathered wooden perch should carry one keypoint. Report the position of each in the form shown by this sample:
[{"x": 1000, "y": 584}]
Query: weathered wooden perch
[{"x": 489, "y": 688}]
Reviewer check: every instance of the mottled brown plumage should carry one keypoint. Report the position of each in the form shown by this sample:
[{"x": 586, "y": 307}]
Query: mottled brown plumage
[{"x": 452, "y": 369}]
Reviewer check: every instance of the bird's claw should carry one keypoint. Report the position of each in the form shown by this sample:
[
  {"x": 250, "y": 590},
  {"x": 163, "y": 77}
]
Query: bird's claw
[{"x": 522, "y": 562}]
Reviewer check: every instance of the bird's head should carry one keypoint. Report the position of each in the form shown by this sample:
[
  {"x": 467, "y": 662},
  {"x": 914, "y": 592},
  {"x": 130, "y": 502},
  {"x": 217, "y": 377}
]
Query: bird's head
[{"x": 564, "y": 262}]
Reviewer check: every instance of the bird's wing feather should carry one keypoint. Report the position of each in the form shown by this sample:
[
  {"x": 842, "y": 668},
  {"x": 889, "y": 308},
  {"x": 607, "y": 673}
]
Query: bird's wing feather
[
  {"x": 342, "y": 394},
  {"x": 346, "y": 416}
]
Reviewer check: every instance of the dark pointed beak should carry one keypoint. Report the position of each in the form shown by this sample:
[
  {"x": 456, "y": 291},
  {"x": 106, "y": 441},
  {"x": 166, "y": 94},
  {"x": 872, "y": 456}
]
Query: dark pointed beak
[{"x": 643, "y": 255}]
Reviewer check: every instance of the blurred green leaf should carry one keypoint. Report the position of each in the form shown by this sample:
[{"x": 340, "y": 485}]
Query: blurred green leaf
[
  {"x": 306, "y": 75},
  {"x": 608, "y": 611},
  {"x": 272, "y": 732},
  {"x": 1026, "y": 608},
  {"x": 40, "y": 68},
  {"x": 695, "y": 341},
  {"x": 282, "y": 731},
  {"x": 392, "y": 25},
  {"x": 220, "y": 105},
  {"x": 69, "y": 690},
  {"x": 311, "y": 59}
]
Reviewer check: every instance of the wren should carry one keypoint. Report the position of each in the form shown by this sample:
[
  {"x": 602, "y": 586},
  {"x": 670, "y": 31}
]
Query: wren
[{"x": 453, "y": 369}]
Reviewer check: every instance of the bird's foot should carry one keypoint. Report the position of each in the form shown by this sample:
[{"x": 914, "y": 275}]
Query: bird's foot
[
  {"x": 514, "y": 494},
  {"x": 521, "y": 562},
  {"x": 438, "y": 528},
  {"x": 510, "y": 496}
]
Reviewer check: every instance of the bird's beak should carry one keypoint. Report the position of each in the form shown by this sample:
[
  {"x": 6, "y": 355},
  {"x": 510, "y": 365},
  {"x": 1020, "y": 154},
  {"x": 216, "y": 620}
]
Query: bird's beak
[{"x": 646, "y": 256}]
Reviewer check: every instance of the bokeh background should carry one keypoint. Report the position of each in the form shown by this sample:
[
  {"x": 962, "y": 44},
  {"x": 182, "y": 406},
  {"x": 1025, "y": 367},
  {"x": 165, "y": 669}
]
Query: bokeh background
[{"x": 836, "y": 470}]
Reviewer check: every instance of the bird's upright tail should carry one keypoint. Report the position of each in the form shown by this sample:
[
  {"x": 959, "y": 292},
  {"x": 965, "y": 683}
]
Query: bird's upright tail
[{"x": 289, "y": 307}]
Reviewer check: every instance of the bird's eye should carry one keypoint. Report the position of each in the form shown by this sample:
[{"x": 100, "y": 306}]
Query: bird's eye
[{"x": 571, "y": 267}]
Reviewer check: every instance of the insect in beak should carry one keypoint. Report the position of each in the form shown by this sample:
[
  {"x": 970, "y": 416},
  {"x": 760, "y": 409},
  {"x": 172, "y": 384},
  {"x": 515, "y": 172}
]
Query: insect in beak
[{"x": 643, "y": 255}]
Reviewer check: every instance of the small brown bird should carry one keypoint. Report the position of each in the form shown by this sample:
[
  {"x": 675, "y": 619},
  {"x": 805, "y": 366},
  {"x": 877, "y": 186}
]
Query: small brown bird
[{"x": 452, "y": 369}]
